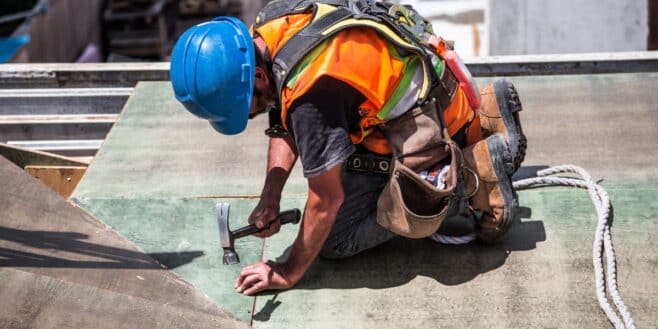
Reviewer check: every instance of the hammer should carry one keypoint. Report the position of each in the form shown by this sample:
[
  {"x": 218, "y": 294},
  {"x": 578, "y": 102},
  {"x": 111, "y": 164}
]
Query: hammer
[{"x": 226, "y": 236}]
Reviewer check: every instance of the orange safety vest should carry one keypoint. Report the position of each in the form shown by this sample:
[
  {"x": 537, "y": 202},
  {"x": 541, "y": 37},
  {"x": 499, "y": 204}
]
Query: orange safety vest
[{"x": 359, "y": 57}]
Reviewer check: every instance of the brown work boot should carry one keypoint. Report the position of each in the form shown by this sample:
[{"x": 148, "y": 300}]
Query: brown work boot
[
  {"x": 499, "y": 114},
  {"x": 495, "y": 198}
]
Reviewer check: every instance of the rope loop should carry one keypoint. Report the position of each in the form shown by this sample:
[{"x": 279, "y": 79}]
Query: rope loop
[{"x": 602, "y": 245}]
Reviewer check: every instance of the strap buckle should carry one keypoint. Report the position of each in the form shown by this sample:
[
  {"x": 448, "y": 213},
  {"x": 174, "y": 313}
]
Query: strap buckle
[
  {"x": 477, "y": 183},
  {"x": 369, "y": 163}
]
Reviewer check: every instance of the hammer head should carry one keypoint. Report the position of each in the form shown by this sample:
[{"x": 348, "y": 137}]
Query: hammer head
[{"x": 225, "y": 235}]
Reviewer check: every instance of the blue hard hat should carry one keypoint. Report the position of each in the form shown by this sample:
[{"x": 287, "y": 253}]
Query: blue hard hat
[{"x": 212, "y": 72}]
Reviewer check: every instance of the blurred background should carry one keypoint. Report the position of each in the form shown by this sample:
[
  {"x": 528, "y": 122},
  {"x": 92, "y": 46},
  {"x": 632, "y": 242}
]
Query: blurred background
[{"x": 145, "y": 30}]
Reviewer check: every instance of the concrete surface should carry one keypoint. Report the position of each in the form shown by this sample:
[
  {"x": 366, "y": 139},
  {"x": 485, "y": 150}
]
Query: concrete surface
[
  {"x": 519, "y": 27},
  {"x": 160, "y": 171}
]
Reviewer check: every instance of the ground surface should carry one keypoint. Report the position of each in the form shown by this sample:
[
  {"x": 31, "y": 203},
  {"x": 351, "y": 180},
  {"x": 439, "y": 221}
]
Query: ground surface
[{"x": 160, "y": 172}]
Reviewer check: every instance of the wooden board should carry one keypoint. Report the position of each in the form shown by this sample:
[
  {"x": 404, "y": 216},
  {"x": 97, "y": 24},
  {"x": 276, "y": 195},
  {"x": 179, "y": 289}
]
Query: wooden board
[
  {"x": 23, "y": 157},
  {"x": 62, "y": 180},
  {"x": 62, "y": 268}
]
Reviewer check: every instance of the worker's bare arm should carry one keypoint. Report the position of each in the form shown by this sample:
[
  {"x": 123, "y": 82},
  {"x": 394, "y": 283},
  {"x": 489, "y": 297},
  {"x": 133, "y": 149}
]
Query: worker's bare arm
[
  {"x": 281, "y": 158},
  {"x": 325, "y": 197}
]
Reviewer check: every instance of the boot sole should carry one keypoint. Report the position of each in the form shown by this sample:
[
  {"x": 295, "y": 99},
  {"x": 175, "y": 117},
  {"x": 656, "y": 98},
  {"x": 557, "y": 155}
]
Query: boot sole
[
  {"x": 510, "y": 105},
  {"x": 501, "y": 161}
]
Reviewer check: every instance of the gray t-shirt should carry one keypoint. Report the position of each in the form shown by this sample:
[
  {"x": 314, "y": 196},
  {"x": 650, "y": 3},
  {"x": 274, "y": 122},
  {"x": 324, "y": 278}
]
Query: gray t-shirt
[{"x": 320, "y": 122}]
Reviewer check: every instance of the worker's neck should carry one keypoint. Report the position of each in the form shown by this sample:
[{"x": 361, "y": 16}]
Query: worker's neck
[{"x": 260, "y": 46}]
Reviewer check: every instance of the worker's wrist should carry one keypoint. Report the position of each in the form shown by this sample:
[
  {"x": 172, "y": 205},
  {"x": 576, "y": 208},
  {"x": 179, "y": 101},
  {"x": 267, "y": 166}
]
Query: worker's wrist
[
  {"x": 291, "y": 273},
  {"x": 271, "y": 192},
  {"x": 270, "y": 199}
]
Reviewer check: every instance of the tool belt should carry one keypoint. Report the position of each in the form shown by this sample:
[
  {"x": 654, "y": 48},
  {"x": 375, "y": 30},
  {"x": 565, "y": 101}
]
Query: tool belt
[
  {"x": 409, "y": 205},
  {"x": 442, "y": 95}
]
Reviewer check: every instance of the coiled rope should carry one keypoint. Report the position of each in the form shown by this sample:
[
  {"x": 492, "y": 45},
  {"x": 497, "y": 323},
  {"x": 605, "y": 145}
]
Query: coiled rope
[{"x": 602, "y": 238}]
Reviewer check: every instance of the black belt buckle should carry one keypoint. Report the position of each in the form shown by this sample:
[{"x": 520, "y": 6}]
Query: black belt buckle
[{"x": 369, "y": 163}]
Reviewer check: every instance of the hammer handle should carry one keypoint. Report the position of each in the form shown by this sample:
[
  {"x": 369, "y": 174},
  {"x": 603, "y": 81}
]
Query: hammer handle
[{"x": 288, "y": 216}]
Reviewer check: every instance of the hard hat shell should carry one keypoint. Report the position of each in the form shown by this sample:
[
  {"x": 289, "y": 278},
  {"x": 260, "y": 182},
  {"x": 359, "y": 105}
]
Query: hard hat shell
[{"x": 212, "y": 73}]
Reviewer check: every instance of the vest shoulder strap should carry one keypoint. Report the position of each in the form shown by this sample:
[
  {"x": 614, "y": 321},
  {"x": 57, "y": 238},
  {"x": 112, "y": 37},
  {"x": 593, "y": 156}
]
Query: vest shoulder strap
[
  {"x": 279, "y": 8},
  {"x": 293, "y": 51},
  {"x": 344, "y": 14}
]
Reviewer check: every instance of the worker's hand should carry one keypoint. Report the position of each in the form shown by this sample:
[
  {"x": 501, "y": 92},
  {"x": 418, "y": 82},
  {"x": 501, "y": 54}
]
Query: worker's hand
[
  {"x": 263, "y": 276},
  {"x": 265, "y": 214}
]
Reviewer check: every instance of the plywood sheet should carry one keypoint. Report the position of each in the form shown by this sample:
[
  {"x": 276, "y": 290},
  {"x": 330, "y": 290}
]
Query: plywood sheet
[
  {"x": 64, "y": 268},
  {"x": 158, "y": 149},
  {"x": 540, "y": 276},
  {"x": 23, "y": 157},
  {"x": 161, "y": 170},
  {"x": 159, "y": 226},
  {"x": 604, "y": 123},
  {"x": 62, "y": 180}
]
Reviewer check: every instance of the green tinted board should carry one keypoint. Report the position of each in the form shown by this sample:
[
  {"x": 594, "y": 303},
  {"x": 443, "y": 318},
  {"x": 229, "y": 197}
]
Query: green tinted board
[
  {"x": 161, "y": 170},
  {"x": 158, "y": 176},
  {"x": 540, "y": 276},
  {"x": 158, "y": 149},
  {"x": 184, "y": 226}
]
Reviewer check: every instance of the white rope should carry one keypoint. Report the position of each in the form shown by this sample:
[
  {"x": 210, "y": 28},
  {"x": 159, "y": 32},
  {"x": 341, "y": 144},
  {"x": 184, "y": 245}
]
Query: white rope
[{"x": 602, "y": 238}]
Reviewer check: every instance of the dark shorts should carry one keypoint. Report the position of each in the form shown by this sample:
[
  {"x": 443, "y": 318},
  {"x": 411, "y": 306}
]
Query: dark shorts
[{"x": 356, "y": 227}]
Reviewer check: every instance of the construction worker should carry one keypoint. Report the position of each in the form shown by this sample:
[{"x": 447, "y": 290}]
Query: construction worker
[{"x": 356, "y": 100}]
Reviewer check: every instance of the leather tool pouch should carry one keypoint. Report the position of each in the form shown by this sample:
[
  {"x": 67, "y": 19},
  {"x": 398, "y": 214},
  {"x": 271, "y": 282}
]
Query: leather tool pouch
[{"x": 409, "y": 205}]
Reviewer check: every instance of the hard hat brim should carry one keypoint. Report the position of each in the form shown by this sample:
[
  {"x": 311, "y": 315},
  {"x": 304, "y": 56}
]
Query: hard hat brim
[{"x": 227, "y": 127}]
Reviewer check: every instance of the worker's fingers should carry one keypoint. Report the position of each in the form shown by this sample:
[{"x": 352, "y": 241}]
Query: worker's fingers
[
  {"x": 266, "y": 218},
  {"x": 239, "y": 280},
  {"x": 275, "y": 226},
  {"x": 271, "y": 230},
  {"x": 250, "y": 268},
  {"x": 261, "y": 276},
  {"x": 247, "y": 271},
  {"x": 249, "y": 282},
  {"x": 242, "y": 279},
  {"x": 263, "y": 234},
  {"x": 256, "y": 218},
  {"x": 263, "y": 215},
  {"x": 259, "y": 286}
]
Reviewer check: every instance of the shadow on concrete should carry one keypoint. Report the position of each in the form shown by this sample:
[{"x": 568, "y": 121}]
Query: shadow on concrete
[
  {"x": 18, "y": 248},
  {"x": 266, "y": 312},
  {"x": 400, "y": 260},
  {"x": 528, "y": 172}
]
